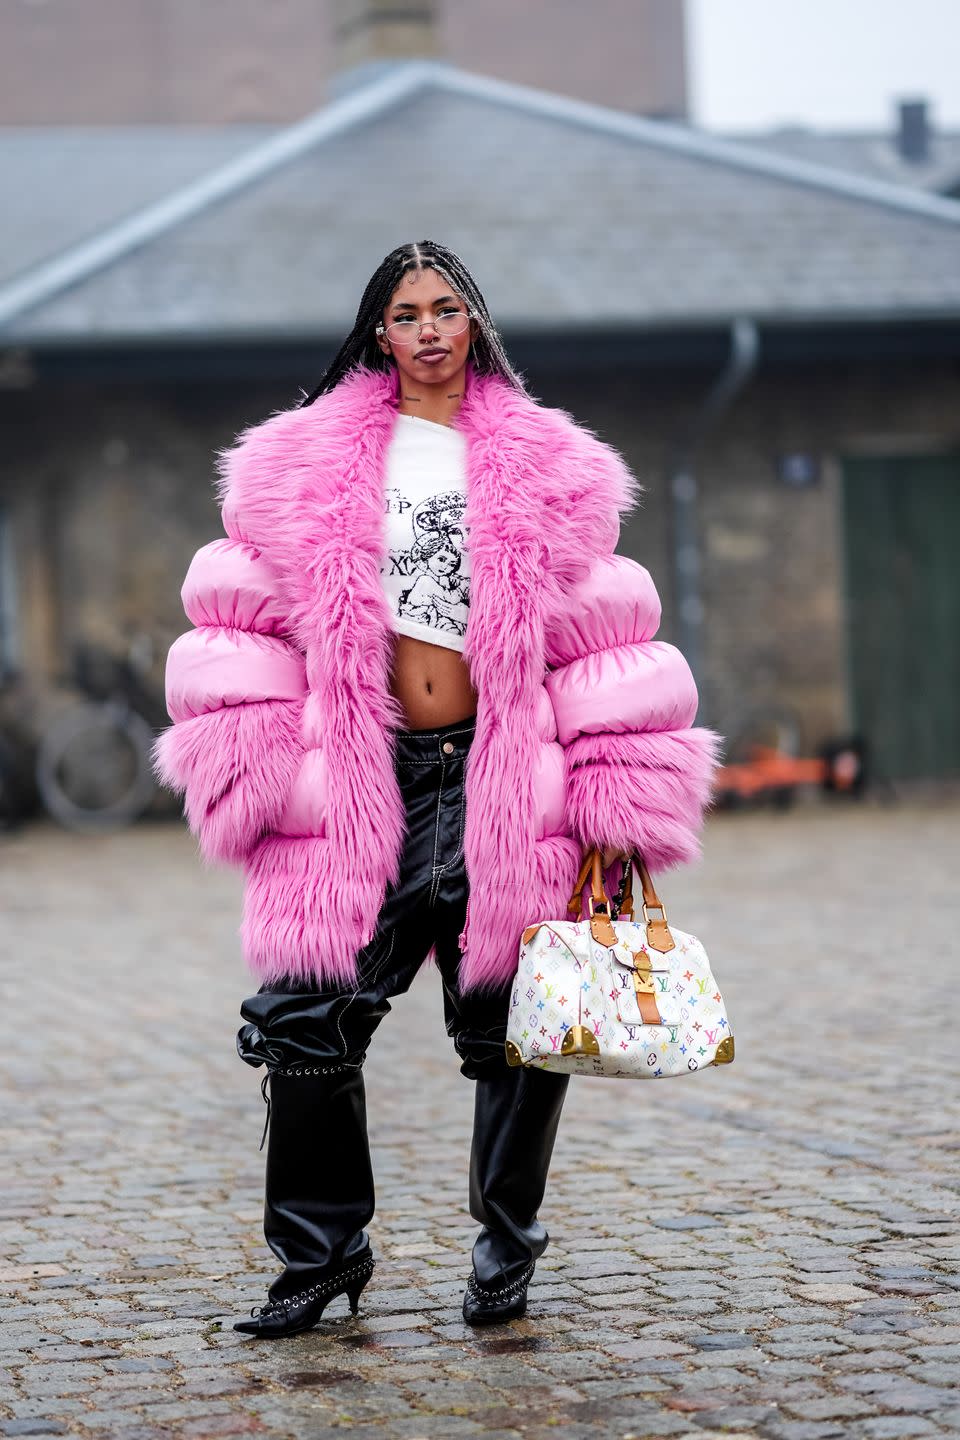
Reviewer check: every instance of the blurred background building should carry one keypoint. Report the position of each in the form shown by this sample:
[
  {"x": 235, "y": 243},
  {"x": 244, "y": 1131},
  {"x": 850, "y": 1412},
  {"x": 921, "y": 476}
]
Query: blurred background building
[
  {"x": 767, "y": 325},
  {"x": 222, "y": 62}
]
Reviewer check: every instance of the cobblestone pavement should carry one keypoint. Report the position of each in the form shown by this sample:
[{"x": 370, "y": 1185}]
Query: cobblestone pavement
[{"x": 764, "y": 1249}]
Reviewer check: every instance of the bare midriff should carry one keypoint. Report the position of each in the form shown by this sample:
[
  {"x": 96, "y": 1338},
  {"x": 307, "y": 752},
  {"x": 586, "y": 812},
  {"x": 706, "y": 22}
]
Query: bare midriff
[{"x": 432, "y": 683}]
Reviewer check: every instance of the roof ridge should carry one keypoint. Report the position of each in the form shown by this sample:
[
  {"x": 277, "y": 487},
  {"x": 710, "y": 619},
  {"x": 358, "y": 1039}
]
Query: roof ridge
[{"x": 700, "y": 144}]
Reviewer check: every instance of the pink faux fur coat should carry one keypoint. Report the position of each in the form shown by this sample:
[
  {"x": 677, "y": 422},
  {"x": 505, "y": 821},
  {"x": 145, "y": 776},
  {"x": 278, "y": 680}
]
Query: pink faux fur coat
[{"x": 283, "y": 716}]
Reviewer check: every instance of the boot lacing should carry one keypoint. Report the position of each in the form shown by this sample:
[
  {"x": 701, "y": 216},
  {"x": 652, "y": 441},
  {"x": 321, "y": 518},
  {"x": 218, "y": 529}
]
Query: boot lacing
[
  {"x": 296, "y": 1070},
  {"x": 293, "y": 1302},
  {"x": 266, "y": 1101},
  {"x": 515, "y": 1286}
]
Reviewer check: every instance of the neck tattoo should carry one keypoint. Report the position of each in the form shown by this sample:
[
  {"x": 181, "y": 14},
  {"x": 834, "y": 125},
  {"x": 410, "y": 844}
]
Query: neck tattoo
[{"x": 418, "y": 399}]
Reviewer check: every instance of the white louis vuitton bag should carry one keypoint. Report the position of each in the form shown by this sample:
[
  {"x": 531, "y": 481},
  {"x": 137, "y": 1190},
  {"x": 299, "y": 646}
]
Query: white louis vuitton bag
[{"x": 606, "y": 995}]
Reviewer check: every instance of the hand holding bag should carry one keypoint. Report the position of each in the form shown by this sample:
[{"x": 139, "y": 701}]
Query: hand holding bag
[{"x": 604, "y": 995}]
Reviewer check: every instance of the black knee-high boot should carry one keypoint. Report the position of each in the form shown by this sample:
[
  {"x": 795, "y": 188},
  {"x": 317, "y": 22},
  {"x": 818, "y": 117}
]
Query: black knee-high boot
[
  {"x": 516, "y": 1115},
  {"x": 319, "y": 1194}
]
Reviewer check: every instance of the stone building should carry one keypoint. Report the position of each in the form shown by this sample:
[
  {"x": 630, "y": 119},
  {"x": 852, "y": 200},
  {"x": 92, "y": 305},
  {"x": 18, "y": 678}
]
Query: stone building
[{"x": 772, "y": 342}]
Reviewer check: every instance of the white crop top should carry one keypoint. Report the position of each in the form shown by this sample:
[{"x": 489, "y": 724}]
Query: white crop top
[{"x": 426, "y": 578}]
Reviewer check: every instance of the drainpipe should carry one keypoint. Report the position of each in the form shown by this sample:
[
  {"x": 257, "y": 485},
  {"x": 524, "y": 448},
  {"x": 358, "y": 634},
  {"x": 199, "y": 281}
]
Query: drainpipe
[{"x": 739, "y": 367}]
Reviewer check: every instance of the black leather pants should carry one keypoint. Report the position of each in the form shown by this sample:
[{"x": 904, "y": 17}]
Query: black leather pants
[{"x": 319, "y": 1185}]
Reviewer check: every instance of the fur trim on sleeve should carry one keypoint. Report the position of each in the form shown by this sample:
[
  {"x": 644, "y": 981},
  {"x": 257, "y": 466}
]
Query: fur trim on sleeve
[
  {"x": 645, "y": 791},
  {"x": 236, "y": 767}
]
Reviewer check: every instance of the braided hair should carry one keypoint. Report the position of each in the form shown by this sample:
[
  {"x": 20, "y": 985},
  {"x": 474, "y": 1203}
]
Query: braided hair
[{"x": 360, "y": 346}]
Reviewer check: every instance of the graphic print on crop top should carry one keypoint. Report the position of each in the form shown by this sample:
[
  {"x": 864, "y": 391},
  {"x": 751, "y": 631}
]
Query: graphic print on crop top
[
  {"x": 425, "y": 569},
  {"x": 433, "y": 589}
]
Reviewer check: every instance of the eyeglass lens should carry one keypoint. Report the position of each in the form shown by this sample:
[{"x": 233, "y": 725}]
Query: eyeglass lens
[{"x": 449, "y": 322}]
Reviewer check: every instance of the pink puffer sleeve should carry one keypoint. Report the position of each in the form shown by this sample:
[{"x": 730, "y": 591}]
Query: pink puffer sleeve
[
  {"x": 235, "y": 689},
  {"x": 230, "y": 583},
  {"x": 638, "y": 772}
]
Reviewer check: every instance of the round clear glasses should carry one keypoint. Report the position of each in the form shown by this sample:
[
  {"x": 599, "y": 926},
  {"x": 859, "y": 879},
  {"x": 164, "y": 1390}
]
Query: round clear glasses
[{"x": 407, "y": 330}]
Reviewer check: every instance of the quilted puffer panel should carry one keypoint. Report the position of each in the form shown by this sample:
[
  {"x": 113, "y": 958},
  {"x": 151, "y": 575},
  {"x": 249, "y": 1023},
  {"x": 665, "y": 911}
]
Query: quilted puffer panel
[
  {"x": 616, "y": 602},
  {"x": 212, "y": 666},
  {"x": 230, "y": 583},
  {"x": 635, "y": 686}
]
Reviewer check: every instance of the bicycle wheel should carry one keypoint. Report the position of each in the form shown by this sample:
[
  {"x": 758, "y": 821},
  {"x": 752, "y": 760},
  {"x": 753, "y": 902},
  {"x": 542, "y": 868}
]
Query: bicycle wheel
[{"x": 93, "y": 767}]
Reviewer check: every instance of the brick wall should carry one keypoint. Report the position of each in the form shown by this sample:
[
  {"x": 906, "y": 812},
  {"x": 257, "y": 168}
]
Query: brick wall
[{"x": 110, "y": 62}]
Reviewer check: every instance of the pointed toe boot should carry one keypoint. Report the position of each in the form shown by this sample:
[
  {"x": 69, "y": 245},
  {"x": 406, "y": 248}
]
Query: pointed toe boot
[
  {"x": 516, "y": 1117},
  {"x": 296, "y": 1313}
]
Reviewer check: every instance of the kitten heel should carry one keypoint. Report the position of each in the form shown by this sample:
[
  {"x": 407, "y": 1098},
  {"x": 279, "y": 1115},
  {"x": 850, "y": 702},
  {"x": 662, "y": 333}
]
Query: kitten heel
[{"x": 355, "y": 1290}]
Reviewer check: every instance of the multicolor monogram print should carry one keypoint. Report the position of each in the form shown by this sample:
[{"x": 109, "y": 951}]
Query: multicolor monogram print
[{"x": 566, "y": 979}]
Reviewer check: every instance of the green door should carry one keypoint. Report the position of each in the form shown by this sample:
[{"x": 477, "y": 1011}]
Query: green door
[{"x": 901, "y": 518}]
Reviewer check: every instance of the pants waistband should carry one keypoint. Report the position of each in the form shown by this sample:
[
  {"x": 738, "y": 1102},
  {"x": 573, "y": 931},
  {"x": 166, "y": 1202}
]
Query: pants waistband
[{"x": 440, "y": 742}]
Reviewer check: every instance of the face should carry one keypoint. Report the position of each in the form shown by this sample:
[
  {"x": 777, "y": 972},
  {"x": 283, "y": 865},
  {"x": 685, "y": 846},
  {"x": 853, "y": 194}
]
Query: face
[
  {"x": 444, "y": 562},
  {"x": 434, "y": 358}
]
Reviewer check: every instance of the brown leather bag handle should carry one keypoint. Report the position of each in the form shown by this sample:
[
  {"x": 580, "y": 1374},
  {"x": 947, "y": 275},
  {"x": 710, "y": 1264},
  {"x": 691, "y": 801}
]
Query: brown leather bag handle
[
  {"x": 658, "y": 932},
  {"x": 592, "y": 865}
]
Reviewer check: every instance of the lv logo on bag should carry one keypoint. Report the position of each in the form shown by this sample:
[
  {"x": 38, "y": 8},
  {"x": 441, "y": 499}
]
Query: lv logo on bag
[{"x": 618, "y": 991}]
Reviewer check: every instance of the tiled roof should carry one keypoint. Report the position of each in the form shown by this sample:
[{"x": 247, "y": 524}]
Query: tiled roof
[
  {"x": 65, "y": 184},
  {"x": 568, "y": 214}
]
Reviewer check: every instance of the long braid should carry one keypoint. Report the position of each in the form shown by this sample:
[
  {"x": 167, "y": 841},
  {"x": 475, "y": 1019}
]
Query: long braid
[{"x": 360, "y": 346}]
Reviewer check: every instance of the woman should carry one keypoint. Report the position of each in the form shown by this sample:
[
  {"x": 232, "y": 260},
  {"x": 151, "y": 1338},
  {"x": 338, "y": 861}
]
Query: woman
[{"x": 420, "y": 682}]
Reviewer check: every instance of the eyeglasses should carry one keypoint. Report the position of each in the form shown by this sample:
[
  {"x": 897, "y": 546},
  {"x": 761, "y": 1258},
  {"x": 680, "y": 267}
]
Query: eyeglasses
[{"x": 407, "y": 330}]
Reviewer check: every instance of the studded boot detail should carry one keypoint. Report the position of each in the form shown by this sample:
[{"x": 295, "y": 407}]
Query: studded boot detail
[{"x": 318, "y": 1195}]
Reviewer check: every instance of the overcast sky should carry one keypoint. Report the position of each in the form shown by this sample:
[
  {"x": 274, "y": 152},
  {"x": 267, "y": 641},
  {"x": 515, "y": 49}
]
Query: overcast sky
[{"x": 837, "y": 64}]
